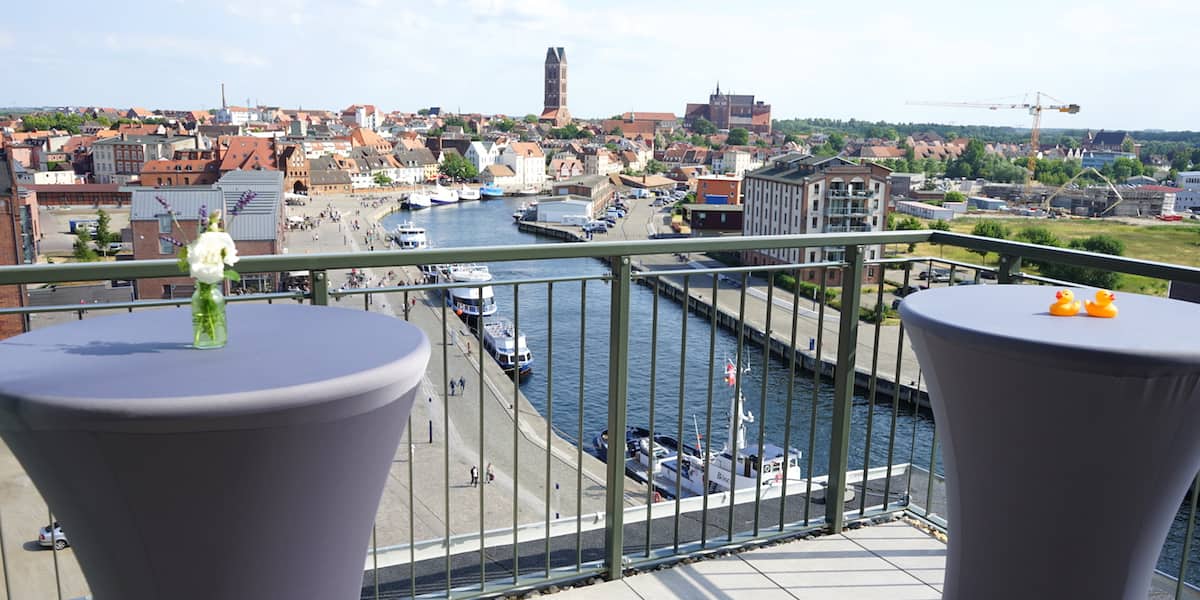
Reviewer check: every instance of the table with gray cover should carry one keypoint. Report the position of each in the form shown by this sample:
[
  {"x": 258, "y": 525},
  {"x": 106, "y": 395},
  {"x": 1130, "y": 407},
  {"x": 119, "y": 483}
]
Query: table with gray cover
[
  {"x": 252, "y": 471},
  {"x": 1068, "y": 442}
]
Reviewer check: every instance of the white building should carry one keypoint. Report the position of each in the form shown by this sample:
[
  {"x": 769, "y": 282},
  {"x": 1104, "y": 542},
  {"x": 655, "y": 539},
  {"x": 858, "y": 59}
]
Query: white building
[
  {"x": 566, "y": 210},
  {"x": 925, "y": 211},
  {"x": 318, "y": 148},
  {"x": 499, "y": 175},
  {"x": 235, "y": 115},
  {"x": 1188, "y": 200},
  {"x": 600, "y": 161},
  {"x": 483, "y": 154},
  {"x": 527, "y": 162},
  {"x": 362, "y": 115},
  {"x": 735, "y": 162},
  {"x": 43, "y": 177}
]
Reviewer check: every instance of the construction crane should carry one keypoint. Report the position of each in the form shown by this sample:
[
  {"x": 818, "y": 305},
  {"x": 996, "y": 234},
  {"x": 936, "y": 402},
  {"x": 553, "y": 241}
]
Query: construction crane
[{"x": 1034, "y": 109}]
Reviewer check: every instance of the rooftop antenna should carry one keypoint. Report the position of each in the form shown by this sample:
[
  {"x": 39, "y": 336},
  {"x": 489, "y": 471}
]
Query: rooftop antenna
[{"x": 223, "y": 105}]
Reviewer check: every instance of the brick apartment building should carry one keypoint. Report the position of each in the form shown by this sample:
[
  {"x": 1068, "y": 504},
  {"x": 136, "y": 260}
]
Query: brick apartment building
[
  {"x": 11, "y": 296},
  {"x": 718, "y": 189},
  {"x": 257, "y": 230},
  {"x": 807, "y": 194}
]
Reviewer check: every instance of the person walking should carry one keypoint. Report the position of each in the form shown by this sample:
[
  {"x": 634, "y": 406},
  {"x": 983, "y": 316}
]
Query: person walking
[
  {"x": 462, "y": 384},
  {"x": 491, "y": 473},
  {"x": 474, "y": 476},
  {"x": 451, "y": 387}
]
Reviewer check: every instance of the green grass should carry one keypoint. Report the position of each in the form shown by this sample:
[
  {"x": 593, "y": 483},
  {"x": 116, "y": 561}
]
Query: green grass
[{"x": 1176, "y": 244}]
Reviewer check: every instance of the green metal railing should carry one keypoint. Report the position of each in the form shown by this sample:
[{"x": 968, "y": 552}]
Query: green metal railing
[{"x": 625, "y": 524}]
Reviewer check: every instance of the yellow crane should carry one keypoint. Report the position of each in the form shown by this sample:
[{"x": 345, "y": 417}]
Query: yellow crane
[{"x": 1035, "y": 109}]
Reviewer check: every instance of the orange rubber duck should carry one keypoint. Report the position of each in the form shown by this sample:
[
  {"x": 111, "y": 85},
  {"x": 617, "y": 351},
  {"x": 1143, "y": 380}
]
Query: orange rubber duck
[
  {"x": 1103, "y": 307},
  {"x": 1066, "y": 305}
]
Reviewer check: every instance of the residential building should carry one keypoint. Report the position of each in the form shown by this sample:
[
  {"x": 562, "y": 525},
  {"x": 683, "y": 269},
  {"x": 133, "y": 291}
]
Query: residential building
[
  {"x": 79, "y": 194},
  {"x": 12, "y": 251},
  {"x": 120, "y": 159},
  {"x": 246, "y": 153},
  {"x": 257, "y": 229},
  {"x": 1098, "y": 159},
  {"x": 482, "y": 154},
  {"x": 565, "y": 168},
  {"x": 416, "y": 165},
  {"x": 362, "y": 115},
  {"x": 376, "y": 165},
  {"x": 904, "y": 183},
  {"x": 363, "y": 137},
  {"x": 325, "y": 177},
  {"x": 600, "y": 161},
  {"x": 808, "y": 194},
  {"x": 294, "y": 164},
  {"x": 734, "y": 162},
  {"x": 175, "y": 172},
  {"x": 729, "y": 111},
  {"x": 719, "y": 189},
  {"x": 554, "y": 111},
  {"x": 1112, "y": 141},
  {"x": 233, "y": 115},
  {"x": 527, "y": 162},
  {"x": 318, "y": 148},
  {"x": 28, "y": 176},
  {"x": 499, "y": 175},
  {"x": 598, "y": 188}
]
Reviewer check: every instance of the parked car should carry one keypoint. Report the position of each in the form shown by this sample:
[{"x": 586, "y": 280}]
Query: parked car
[
  {"x": 59, "y": 538},
  {"x": 904, "y": 291},
  {"x": 595, "y": 227}
]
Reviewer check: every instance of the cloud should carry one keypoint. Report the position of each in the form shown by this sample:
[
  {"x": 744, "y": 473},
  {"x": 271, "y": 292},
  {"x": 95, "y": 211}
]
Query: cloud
[{"x": 7, "y": 39}]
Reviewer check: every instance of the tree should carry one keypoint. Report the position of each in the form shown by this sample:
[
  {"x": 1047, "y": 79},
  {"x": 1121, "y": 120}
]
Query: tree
[
  {"x": 382, "y": 179},
  {"x": 703, "y": 126},
  {"x": 1039, "y": 235},
  {"x": 104, "y": 236},
  {"x": 617, "y": 132},
  {"x": 908, "y": 223},
  {"x": 1102, "y": 244},
  {"x": 83, "y": 245},
  {"x": 458, "y": 167},
  {"x": 531, "y": 119},
  {"x": 506, "y": 125},
  {"x": 940, "y": 225},
  {"x": 436, "y": 132},
  {"x": 738, "y": 136},
  {"x": 653, "y": 167},
  {"x": 837, "y": 141},
  {"x": 424, "y": 112},
  {"x": 954, "y": 196},
  {"x": 992, "y": 229}
]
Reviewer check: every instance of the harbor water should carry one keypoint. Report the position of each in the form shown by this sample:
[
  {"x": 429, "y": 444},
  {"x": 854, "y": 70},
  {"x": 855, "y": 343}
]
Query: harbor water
[{"x": 554, "y": 338}]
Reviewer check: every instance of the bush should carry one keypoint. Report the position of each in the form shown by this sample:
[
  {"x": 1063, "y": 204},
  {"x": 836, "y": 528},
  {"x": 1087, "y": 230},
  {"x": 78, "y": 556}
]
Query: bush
[{"x": 808, "y": 290}]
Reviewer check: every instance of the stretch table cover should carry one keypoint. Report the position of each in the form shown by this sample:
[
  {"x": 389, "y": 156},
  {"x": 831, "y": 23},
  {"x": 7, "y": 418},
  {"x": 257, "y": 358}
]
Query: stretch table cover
[
  {"x": 252, "y": 471},
  {"x": 1068, "y": 441}
]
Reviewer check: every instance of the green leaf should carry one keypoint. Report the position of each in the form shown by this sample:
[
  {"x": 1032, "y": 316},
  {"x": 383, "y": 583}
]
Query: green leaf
[
  {"x": 232, "y": 275},
  {"x": 183, "y": 260}
]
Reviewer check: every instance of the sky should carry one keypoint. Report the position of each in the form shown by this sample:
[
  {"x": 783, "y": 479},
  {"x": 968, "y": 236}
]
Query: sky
[{"x": 1128, "y": 65}]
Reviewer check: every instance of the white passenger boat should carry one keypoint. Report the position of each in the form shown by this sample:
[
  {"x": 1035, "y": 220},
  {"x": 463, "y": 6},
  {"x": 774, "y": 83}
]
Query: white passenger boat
[
  {"x": 468, "y": 193},
  {"x": 443, "y": 195},
  {"x": 474, "y": 301},
  {"x": 410, "y": 237},
  {"x": 507, "y": 346},
  {"x": 528, "y": 191},
  {"x": 417, "y": 201}
]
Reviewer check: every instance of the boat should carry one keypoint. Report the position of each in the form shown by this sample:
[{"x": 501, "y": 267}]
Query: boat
[
  {"x": 524, "y": 211},
  {"x": 528, "y": 191},
  {"x": 468, "y": 193},
  {"x": 471, "y": 302},
  {"x": 490, "y": 191},
  {"x": 665, "y": 460},
  {"x": 410, "y": 237},
  {"x": 417, "y": 201},
  {"x": 507, "y": 346},
  {"x": 443, "y": 195}
]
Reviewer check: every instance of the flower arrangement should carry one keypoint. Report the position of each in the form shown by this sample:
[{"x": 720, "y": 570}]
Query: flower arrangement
[{"x": 208, "y": 259}]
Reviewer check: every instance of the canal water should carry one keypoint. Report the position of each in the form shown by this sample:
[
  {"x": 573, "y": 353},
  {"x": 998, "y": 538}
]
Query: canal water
[{"x": 554, "y": 337}]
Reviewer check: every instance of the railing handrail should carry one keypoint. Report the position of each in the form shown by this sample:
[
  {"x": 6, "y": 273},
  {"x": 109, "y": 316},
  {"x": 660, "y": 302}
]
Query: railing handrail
[{"x": 63, "y": 272}]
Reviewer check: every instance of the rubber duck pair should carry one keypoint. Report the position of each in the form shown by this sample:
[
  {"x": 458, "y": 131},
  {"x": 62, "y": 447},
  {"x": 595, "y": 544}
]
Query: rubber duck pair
[{"x": 1066, "y": 305}]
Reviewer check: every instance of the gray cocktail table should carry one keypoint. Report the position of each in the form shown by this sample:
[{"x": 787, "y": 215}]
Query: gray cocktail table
[
  {"x": 1068, "y": 441},
  {"x": 253, "y": 471}
]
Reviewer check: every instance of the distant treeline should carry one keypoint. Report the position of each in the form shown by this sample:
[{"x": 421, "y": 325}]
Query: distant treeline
[{"x": 1012, "y": 135}]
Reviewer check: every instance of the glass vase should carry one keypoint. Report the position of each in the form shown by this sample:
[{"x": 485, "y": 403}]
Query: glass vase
[{"x": 208, "y": 317}]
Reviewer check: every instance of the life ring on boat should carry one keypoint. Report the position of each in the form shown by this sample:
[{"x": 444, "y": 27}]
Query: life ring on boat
[{"x": 657, "y": 497}]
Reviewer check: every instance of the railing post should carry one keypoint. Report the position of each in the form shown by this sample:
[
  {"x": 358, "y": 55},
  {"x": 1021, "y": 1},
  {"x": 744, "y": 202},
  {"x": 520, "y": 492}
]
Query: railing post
[
  {"x": 843, "y": 390},
  {"x": 618, "y": 380},
  {"x": 320, "y": 287},
  {"x": 1010, "y": 269}
]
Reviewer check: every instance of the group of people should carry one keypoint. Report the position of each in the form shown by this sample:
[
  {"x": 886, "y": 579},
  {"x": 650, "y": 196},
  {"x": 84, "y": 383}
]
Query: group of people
[
  {"x": 460, "y": 385},
  {"x": 491, "y": 474}
]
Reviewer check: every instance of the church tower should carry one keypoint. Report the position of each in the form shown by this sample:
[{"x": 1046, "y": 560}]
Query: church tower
[{"x": 555, "y": 105}]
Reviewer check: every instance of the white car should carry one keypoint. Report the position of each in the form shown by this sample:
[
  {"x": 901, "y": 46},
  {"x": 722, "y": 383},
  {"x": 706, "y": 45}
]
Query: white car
[{"x": 60, "y": 539}]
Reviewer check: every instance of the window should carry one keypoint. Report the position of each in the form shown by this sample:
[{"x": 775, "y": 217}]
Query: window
[
  {"x": 165, "y": 247},
  {"x": 164, "y": 223}
]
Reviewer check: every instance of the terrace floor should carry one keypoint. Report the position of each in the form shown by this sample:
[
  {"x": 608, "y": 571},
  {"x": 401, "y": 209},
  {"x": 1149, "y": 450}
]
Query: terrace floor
[{"x": 893, "y": 561}]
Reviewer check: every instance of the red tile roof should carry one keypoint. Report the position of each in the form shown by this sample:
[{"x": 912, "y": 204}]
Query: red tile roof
[{"x": 246, "y": 153}]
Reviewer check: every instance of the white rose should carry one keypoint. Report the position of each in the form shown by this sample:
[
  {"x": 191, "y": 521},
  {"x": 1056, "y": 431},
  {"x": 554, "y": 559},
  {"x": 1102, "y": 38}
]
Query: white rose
[{"x": 209, "y": 254}]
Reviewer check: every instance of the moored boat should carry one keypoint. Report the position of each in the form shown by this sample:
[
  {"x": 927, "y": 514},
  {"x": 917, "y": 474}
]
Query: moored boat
[
  {"x": 443, "y": 195},
  {"x": 528, "y": 191},
  {"x": 468, "y": 193},
  {"x": 507, "y": 346},
  {"x": 410, "y": 237},
  {"x": 490, "y": 191},
  {"x": 417, "y": 201},
  {"x": 474, "y": 301}
]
